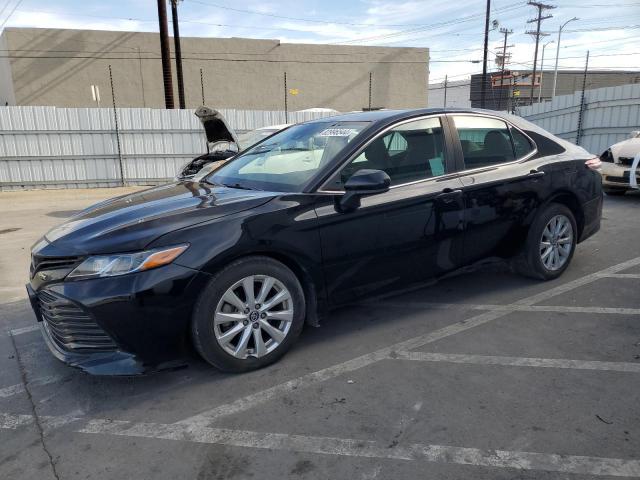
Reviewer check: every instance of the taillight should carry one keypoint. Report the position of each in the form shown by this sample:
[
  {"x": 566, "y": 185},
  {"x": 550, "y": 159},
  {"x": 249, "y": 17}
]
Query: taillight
[{"x": 593, "y": 163}]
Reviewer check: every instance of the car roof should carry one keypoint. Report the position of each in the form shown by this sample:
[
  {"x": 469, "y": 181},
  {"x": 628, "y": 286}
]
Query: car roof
[{"x": 387, "y": 115}]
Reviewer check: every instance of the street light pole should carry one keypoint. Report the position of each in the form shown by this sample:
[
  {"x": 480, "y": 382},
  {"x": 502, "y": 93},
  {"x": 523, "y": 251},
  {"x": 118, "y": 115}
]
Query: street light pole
[
  {"x": 542, "y": 69},
  {"x": 483, "y": 88},
  {"x": 555, "y": 70}
]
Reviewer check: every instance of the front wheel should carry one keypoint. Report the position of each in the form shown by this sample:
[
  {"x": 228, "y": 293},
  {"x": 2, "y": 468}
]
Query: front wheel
[
  {"x": 249, "y": 315},
  {"x": 550, "y": 243}
]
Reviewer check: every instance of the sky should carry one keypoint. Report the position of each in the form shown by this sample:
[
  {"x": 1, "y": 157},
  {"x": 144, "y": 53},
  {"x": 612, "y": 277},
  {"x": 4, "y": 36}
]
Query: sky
[{"x": 452, "y": 30}]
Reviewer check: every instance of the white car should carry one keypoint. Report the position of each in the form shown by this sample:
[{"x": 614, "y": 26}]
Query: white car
[
  {"x": 254, "y": 136},
  {"x": 222, "y": 143},
  {"x": 617, "y": 166}
]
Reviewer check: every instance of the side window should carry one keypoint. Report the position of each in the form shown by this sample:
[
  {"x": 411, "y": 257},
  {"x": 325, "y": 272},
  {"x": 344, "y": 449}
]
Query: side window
[
  {"x": 412, "y": 151},
  {"x": 521, "y": 144},
  {"x": 485, "y": 141}
]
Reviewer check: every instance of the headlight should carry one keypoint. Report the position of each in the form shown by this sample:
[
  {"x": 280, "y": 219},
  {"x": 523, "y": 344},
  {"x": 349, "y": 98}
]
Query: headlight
[
  {"x": 120, "y": 264},
  {"x": 607, "y": 156}
]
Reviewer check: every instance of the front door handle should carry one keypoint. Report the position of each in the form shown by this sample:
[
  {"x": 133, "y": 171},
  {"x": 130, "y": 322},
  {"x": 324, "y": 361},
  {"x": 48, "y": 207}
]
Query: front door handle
[
  {"x": 449, "y": 195},
  {"x": 535, "y": 174}
]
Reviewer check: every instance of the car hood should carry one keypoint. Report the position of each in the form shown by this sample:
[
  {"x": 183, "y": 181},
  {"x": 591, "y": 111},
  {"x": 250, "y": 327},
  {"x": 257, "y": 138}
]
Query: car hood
[
  {"x": 216, "y": 127},
  {"x": 131, "y": 222},
  {"x": 626, "y": 148}
]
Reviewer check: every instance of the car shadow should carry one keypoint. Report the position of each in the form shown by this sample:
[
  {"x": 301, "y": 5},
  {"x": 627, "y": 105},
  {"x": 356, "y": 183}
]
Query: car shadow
[{"x": 106, "y": 394}]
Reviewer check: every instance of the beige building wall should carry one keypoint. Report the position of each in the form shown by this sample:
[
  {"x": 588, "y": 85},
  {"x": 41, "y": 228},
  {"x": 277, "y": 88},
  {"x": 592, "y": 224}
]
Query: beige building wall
[{"x": 56, "y": 67}]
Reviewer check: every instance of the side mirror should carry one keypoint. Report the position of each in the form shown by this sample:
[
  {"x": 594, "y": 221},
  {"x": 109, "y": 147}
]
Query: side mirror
[{"x": 361, "y": 184}]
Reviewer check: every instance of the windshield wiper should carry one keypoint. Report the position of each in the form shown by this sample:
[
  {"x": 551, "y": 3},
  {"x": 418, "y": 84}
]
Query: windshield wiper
[{"x": 237, "y": 185}]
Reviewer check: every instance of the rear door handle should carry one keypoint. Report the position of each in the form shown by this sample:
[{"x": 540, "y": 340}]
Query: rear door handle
[
  {"x": 449, "y": 195},
  {"x": 535, "y": 174}
]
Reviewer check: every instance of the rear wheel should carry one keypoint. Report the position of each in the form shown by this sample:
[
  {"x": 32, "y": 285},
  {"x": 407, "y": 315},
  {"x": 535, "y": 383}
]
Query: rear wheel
[
  {"x": 249, "y": 315},
  {"x": 550, "y": 244}
]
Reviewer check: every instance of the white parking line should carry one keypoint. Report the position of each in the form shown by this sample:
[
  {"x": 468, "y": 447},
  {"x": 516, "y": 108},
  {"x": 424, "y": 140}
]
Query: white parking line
[
  {"x": 252, "y": 400},
  {"x": 518, "y": 361},
  {"x": 510, "y": 308},
  {"x": 350, "y": 447},
  {"x": 9, "y": 421},
  {"x": 20, "y": 331},
  {"x": 624, "y": 275},
  {"x": 19, "y": 387}
]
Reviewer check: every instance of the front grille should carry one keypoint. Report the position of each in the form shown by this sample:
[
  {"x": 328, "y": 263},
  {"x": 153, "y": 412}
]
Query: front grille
[
  {"x": 53, "y": 263},
  {"x": 614, "y": 179},
  {"x": 626, "y": 161},
  {"x": 70, "y": 327}
]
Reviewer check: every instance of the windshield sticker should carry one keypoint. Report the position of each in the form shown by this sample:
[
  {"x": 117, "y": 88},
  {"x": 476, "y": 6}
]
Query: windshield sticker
[{"x": 338, "y": 132}]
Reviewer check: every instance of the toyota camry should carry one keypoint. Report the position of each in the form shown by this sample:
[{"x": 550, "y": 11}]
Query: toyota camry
[{"x": 316, "y": 216}]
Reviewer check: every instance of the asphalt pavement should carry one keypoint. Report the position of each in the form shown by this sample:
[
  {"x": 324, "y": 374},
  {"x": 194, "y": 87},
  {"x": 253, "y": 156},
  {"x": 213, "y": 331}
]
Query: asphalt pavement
[{"x": 484, "y": 375}]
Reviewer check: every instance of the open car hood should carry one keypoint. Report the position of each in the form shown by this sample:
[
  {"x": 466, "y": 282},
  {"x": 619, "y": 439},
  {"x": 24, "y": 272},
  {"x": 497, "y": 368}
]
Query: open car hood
[{"x": 216, "y": 127}]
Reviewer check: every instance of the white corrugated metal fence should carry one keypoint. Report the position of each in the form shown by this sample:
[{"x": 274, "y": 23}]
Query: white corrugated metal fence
[
  {"x": 49, "y": 147},
  {"x": 608, "y": 116}
]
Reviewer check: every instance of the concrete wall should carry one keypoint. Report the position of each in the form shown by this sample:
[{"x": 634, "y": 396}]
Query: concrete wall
[
  {"x": 458, "y": 94},
  {"x": 6, "y": 81},
  {"x": 56, "y": 67}
]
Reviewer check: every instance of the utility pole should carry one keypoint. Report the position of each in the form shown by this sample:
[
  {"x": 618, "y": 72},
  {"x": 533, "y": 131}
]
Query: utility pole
[
  {"x": 165, "y": 54},
  {"x": 286, "y": 103},
  {"x": 555, "y": 70},
  {"x": 582, "y": 102},
  {"x": 542, "y": 70},
  {"x": 178, "y": 51},
  {"x": 445, "y": 91},
  {"x": 506, "y": 32},
  {"x": 202, "y": 85},
  {"x": 541, "y": 8},
  {"x": 370, "y": 82},
  {"x": 483, "y": 91}
]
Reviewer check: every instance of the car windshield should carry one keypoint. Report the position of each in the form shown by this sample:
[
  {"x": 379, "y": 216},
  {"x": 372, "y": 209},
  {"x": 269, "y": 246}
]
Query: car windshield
[{"x": 287, "y": 160}]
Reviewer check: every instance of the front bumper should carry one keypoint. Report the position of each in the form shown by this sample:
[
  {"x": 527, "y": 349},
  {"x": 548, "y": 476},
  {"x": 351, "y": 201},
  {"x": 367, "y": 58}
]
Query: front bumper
[
  {"x": 125, "y": 325},
  {"x": 617, "y": 176}
]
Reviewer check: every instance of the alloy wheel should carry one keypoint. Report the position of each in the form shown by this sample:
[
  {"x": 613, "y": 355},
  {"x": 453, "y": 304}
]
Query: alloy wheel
[
  {"x": 556, "y": 242},
  {"x": 253, "y": 317}
]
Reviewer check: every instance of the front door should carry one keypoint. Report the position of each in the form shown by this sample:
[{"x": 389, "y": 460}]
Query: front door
[{"x": 409, "y": 233}]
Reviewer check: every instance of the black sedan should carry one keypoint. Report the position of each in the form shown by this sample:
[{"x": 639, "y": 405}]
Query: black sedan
[{"x": 316, "y": 216}]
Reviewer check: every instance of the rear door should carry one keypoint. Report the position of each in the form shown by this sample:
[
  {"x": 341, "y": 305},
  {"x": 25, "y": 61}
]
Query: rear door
[
  {"x": 411, "y": 232},
  {"x": 501, "y": 184}
]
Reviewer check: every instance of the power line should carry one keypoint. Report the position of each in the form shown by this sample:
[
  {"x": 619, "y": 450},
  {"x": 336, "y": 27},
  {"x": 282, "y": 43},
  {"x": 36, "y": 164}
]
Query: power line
[
  {"x": 10, "y": 13},
  {"x": 434, "y": 25},
  {"x": 144, "y": 20},
  {"x": 4, "y": 8},
  {"x": 303, "y": 19},
  {"x": 541, "y": 8},
  {"x": 243, "y": 60}
]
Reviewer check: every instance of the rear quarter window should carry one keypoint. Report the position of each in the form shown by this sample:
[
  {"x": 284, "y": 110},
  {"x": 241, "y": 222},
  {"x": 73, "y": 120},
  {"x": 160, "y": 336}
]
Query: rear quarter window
[{"x": 521, "y": 144}]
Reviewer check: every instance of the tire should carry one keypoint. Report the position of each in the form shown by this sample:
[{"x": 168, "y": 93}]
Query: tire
[
  {"x": 530, "y": 262},
  {"x": 255, "y": 345},
  {"x": 614, "y": 192}
]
